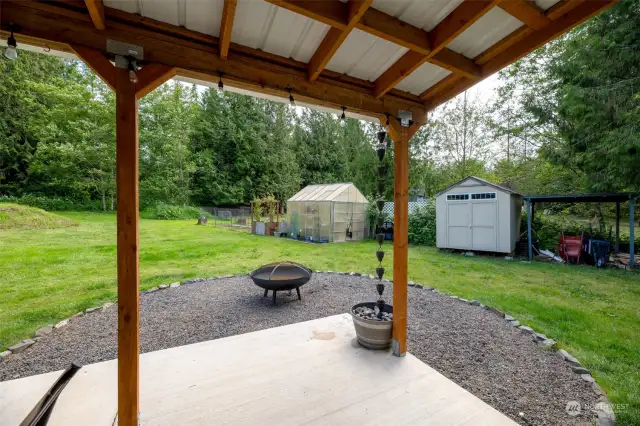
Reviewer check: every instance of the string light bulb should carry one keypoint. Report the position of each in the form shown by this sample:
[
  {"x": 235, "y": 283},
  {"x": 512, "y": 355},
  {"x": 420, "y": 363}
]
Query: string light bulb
[
  {"x": 343, "y": 117},
  {"x": 291, "y": 100},
  {"x": 11, "y": 52},
  {"x": 220, "y": 83},
  {"x": 133, "y": 68}
]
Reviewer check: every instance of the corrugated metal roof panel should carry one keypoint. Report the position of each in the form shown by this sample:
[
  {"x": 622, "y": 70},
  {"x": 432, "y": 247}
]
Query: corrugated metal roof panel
[
  {"x": 204, "y": 16},
  {"x": 294, "y": 36},
  {"x": 160, "y": 10},
  {"x": 421, "y": 79},
  {"x": 252, "y": 22},
  {"x": 485, "y": 32},
  {"x": 365, "y": 56},
  {"x": 419, "y": 13},
  {"x": 263, "y": 26},
  {"x": 546, "y": 4},
  {"x": 130, "y": 6}
]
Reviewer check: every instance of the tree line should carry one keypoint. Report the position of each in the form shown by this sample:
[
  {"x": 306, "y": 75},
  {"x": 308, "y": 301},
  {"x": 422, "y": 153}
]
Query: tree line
[{"x": 565, "y": 119}]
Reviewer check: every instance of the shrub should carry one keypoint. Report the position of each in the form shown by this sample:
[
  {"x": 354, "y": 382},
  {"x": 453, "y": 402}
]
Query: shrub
[
  {"x": 169, "y": 212},
  {"x": 53, "y": 203},
  {"x": 422, "y": 225}
]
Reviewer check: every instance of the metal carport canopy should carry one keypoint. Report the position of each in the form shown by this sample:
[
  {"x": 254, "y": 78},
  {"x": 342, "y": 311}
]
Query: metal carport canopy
[{"x": 617, "y": 198}]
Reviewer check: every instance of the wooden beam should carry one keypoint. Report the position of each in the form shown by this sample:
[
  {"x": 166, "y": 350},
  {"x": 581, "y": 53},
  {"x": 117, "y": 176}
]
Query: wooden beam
[
  {"x": 526, "y": 11},
  {"x": 128, "y": 242},
  {"x": 462, "y": 17},
  {"x": 169, "y": 45},
  {"x": 408, "y": 63},
  {"x": 333, "y": 13},
  {"x": 392, "y": 29},
  {"x": 386, "y": 27},
  {"x": 96, "y": 11},
  {"x": 151, "y": 76},
  {"x": 228, "y": 13},
  {"x": 400, "y": 236},
  {"x": 335, "y": 37},
  {"x": 552, "y": 14},
  {"x": 456, "y": 63},
  {"x": 440, "y": 87},
  {"x": 96, "y": 60},
  {"x": 523, "y": 47}
]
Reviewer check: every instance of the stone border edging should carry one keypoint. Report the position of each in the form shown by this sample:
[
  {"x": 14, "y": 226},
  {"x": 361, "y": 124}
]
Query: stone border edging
[{"x": 606, "y": 416}]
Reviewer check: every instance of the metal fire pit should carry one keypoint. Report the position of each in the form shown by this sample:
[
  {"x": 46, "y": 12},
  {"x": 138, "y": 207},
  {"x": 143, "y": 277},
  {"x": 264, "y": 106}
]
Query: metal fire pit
[{"x": 281, "y": 276}]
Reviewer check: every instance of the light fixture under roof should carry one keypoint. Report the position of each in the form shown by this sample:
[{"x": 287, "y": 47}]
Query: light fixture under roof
[
  {"x": 11, "y": 52},
  {"x": 291, "y": 100}
]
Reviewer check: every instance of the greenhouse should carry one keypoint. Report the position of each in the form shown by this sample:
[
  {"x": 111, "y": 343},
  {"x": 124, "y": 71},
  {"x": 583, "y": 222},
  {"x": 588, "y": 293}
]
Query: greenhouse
[{"x": 328, "y": 213}]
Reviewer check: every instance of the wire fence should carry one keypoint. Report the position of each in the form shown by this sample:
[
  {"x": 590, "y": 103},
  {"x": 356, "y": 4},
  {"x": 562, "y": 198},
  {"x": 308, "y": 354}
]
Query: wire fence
[{"x": 230, "y": 217}]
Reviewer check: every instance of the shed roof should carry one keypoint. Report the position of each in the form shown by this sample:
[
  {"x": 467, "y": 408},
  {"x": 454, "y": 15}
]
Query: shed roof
[
  {"x": 482, "y": 181},
  {"x": 327, "y": 192}
]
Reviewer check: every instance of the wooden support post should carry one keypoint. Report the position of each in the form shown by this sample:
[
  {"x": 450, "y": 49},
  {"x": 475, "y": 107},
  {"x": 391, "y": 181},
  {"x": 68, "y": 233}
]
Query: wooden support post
[
  {"x": 632, "y": 233},
  {"x": 617, "y": 246},
  {"x": 128, "y": 274},
  {"x": 529, "y": 242},
  {"x": 400, "y": 237}
]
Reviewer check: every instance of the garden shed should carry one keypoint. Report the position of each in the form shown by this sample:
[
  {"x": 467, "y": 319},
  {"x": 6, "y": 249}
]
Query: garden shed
[
  {"x": 474, "y": 214},
  {"x": 328, "y": 213}
]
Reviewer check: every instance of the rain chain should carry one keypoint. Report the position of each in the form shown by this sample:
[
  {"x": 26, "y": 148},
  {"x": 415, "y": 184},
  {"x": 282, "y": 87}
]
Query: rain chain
[{"x": 382, "y": 174}]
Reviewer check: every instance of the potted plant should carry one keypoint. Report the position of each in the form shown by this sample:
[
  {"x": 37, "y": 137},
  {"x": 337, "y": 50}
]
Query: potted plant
[{"x": 373, "y": 321}]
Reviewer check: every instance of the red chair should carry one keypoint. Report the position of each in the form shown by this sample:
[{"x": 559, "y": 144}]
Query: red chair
[{"x": 570, "y": 248}]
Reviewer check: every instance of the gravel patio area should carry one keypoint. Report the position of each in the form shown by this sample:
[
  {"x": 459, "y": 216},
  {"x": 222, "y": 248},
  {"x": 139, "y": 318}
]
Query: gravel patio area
[{"x": 470, "y": 345}]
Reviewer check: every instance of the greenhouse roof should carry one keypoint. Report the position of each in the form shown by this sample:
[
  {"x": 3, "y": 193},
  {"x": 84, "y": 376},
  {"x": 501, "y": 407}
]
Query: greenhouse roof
[{"x": 327, "y": 192}]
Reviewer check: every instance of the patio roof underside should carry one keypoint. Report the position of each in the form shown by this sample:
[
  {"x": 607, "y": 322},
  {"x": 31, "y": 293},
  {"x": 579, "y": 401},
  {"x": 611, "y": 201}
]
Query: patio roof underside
[{"x": 374, "y": 57}]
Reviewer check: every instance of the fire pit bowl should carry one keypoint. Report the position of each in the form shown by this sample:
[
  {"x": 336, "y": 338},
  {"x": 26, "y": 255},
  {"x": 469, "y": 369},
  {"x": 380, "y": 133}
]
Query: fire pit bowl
[{"x": 280, "y": 276}]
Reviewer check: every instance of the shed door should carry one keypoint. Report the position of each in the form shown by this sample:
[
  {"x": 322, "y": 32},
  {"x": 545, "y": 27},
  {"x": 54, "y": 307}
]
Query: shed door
[
  {"x": 483, "y": 225},
  {"x": 459, "y": 224}
]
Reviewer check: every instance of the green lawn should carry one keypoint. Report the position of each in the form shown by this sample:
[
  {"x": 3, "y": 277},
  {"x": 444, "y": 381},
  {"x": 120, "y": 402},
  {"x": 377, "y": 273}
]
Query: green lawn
[{"x": 51, "y": 274}]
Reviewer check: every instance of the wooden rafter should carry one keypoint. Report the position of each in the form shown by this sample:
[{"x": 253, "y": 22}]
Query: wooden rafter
[
  {"x": 462, "y": 17},
  {"x": 556, "y": 12},
  {"x": 392, "y": 29},
  {"x": 331, "y": 12},
  {"x": 96, "y": 11},
  {"x": 193, "y": 53},
  {"x": 560, "y": 22},
  {"x": 228, "y": 13},
  {"x": 384, "y": 26},
  {"x": 335, "y": 37},
  {"x": 526, "y": 11}
]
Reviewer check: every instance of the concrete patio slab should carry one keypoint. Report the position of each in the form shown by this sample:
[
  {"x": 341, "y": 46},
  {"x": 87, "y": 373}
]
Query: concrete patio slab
[{"x": 311, "y": 373}]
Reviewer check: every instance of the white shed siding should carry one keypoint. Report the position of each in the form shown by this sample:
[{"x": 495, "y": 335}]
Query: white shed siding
[{"x": 478, "y": 224}]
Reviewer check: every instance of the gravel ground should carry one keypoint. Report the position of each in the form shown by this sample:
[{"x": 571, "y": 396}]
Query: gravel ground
[{"x": 470, "y": 345}]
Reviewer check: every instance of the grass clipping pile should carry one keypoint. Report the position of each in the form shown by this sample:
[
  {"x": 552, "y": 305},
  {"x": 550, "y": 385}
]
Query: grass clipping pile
[{"x": 15, "y": 216}]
